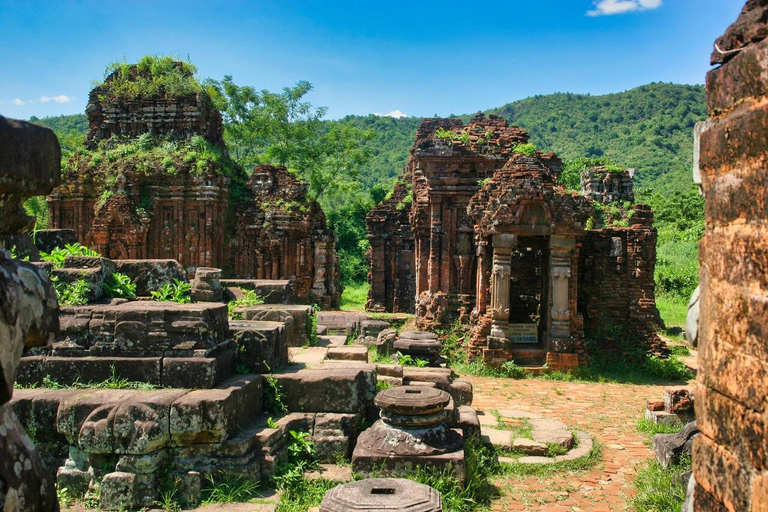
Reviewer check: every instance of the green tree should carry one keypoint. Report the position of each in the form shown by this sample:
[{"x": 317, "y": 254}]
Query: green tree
[{"x": 282, "y": 128}]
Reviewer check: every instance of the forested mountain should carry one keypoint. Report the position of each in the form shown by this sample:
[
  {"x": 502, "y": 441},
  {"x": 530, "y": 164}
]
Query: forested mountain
[{"x": 649, "y": 128}]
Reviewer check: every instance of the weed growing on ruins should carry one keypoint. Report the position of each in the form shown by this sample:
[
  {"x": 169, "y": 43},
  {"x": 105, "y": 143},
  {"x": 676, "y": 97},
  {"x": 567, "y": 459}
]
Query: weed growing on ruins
[
  {"x": 660, "y": 489},
  {"x": 120, "y": 286},
  {"x": 228, "y": 490},
  {"x": 297, "y": 493},
  {"x": 382, "y": 385},
  {"x": 71, "y": 294},
  {"x": 525, "y": 149},
  {"x": 408, "y": 360},
  {"x": 273, "y": 398},
  {"x": 554, "y": 449},
  {"x": 313, "y": 339},
  {"x": 518, "y": 429},
  {"x": 64, "y": 497},
  {"x": 92, "y": 497},
  {"x": 651, "y": 429},
  {"x": 301, "y": 449},
  {"x": 57, "y": 255},
  {"x": 113, "y": 382},
  {"x": 176, "y": 291},
  {"x": 272, "y": 423},
  {"x": 154, "y": 76},
  {"x": 445, "y": 135},
  {"x": 247, "y": 299}
]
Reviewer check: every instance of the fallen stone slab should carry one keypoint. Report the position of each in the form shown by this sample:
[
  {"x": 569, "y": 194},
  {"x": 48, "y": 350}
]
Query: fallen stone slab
[
  {"x": 342, "y": 390},
  {"x": 332, "y": 472},
  {"x": 296, "y": 318},
  {"x": 529, "y": 447},
  {"x": 273, "y": 291},
  {"x": 495, "y": 437},
  {"x": 669, "y": 447},
  {"x": 662, "y": 417},
  {"x": 559, "y": 437},
  {"x": 348, "y": 353}
]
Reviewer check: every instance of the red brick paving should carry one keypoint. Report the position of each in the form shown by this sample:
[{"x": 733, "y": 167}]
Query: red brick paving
[{"x": 608, "y": 412}]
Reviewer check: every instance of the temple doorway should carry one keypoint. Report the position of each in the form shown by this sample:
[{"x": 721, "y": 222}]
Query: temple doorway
[{"x": 529, "y": 292}]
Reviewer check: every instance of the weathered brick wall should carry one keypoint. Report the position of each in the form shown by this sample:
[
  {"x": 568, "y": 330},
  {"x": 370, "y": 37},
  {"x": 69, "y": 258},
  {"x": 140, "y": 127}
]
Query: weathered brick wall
[
  {"x": 283, "y": 235},
  {"x": 616, "y": 285},
  {"x": 179, "y": 117},
  {"x": 730, "y": 458},
  {"x": 391, "y": 256}
]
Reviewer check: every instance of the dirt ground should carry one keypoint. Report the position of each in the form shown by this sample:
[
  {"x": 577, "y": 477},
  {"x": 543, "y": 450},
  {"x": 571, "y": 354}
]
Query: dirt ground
[{"x": 608, "y": 412}]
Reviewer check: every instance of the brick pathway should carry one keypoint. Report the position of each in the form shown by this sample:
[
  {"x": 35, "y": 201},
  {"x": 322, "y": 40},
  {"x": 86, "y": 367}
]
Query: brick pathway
[{"x": 608, "y": 412}]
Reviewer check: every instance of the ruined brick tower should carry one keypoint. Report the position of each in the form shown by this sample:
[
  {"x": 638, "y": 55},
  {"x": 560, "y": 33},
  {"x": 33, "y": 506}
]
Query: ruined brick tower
[
  {"x": 156, "y": 182},
  {"x": 478, "y": 230}
]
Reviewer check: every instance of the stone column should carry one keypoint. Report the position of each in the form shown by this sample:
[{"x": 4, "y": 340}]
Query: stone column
[
  {"x": 560, "y": 274},
  {"x": 500, "y": 281},
  {"x": 435, "y": 248},
  {"x": 318, "y": 286}
]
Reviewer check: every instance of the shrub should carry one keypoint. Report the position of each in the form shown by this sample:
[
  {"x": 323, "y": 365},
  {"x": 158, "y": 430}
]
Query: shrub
[
  {"x": 248, "y": 299},
  {"x": 176, "y": 291},
  {"x": 526, "y": 149},
  {"x": 119, "y": 285},
  {"x": 57, "y": 256},
  {"x": 71, "y": 294}
]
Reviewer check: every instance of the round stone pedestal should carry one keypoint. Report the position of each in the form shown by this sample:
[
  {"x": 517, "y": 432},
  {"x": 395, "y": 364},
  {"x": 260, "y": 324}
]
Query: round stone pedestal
[
  {"x": 390, "y": 494},
  {"x": 419, "y": 344},
  {"x": 206, "y": 286}
]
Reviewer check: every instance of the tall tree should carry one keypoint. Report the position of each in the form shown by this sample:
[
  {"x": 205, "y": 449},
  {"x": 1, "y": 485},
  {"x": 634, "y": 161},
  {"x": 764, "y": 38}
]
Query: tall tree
[{"x": 283, "y": 128}]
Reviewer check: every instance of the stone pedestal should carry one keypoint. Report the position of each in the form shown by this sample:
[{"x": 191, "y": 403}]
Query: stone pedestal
[
  {"x": 391, "y": 494},
  {"x": 206, "y": 286},
  {"x": 410, "y": 433},
  {"x": 560, "y": 339}
]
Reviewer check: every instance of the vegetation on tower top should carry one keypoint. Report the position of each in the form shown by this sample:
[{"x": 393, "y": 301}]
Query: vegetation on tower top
[{"x": 153, "y": 76}]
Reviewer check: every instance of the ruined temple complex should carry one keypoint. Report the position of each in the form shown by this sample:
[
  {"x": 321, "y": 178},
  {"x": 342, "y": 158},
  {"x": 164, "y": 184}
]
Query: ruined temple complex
[
  {"x": 193, "y": 204},
  {"x": 478, "y": 229},
  {"x": 186, "y": 364}
]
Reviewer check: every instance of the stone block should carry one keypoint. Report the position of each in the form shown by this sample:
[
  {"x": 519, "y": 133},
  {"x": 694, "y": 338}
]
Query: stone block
[
  {"x": 48, "y": 239},
  {"x": 661, "y": 417},
  {"x": 348, "y": 353},
  {"x": 669, "y": 447},
  {"x": 529, "y": 447},
  {"x": 655, "y": 405},
  {"x": 382, "y": 494},
  {"x": 198, "y": 372},
  {"x": 461, "y": 391},
  {"x": 31, "y": 370},
  {"x": 151, "y": 275},
  {"x": 74, "y": 410},
  {"x": 297, "y": 330},
  {"x": 341, "y": 390},
  {"x": 261, "y": 346},
  {"x": 117, "y": 491},
  {"x": 273, "y": 291},
  {"x": 385, "y": 341},
  {"x": 468, "y": 421},
  {"x": 212, "y": 415},
  {"x": 678, "y": 400},
  {"x": 390, "y": 370}
]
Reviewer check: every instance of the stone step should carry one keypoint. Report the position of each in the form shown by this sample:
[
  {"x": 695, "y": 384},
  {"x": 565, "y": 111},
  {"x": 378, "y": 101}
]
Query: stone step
[
  {"x": 348, "y": 353},
  {"x": 528, "y": 356}
]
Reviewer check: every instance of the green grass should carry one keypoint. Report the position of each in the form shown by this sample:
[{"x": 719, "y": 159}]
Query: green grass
[
  {"x": 673, "y": 309},
  {"x": 228, "y": 490},
  {"x": 651, "y": 429},
  {"x": 524, "y": 470},
  {"x": 354, "y": 297},
  {"x": 113, "y": 382},
  {"x": 659, "y": 489}
]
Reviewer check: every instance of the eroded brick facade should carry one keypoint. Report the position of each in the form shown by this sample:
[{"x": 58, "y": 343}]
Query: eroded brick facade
[
  {"x": 497, "y": 242},
  {"x": 730, "y": 457},
  {"x": 200, "y": 215}
]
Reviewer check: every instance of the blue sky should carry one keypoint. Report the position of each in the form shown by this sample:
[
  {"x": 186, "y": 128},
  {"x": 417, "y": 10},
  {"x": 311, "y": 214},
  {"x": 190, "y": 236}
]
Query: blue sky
[{"x": 417, "y": 57}]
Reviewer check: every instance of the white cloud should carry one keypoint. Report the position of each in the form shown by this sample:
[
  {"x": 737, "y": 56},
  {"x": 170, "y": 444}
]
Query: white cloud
[
  {"x": 61, "y": 98},
  {"x": 394, "y": 113},
  {"x": 18, "y": 102},
  {"x": 608, "y": 7}
]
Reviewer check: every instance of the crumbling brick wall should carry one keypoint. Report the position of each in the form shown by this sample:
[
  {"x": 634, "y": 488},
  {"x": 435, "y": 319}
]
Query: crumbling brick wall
[
  {"x": 616, "y": 280},
  {"x": 730, "y": 457}
]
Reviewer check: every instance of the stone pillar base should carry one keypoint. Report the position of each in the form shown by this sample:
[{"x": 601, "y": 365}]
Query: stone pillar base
[{"x": 497, "y": 343}]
